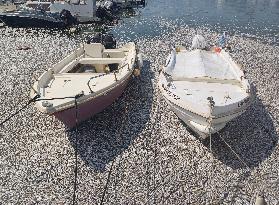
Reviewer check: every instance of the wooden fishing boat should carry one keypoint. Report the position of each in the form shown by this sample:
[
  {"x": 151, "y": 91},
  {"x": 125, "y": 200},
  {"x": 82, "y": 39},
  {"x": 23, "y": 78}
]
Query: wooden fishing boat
[
  {"x": 205, "y": 88},
  {"x": 90, "y": 79}
]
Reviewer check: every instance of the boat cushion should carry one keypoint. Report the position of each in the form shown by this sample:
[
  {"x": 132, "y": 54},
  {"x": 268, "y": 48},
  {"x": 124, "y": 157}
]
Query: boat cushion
[{"x": 201, "y": 64}]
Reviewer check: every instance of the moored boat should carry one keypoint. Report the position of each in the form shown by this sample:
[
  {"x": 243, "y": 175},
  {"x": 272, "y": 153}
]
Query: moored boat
[
  {"x": 31, "y": 18},
  {"x": 92, "y": 76},
  {"x": 205, "y": 88}
]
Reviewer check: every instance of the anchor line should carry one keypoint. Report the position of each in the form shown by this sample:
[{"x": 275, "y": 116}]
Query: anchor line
[
  {"x": 107, "y": 183},
  {"x": 37, "y": 98},
  {"x": 238, "y": 157},
  {"x": 211, "y": 105},
  {"x": 19, "y": 110},
  {"x": 244, "y": 163},
  {"x": 127, "y": 105},
  {"x": 234, "y": 152},
  {"x": 120, "y": 132},
  {"x": 76, "y": 147}
]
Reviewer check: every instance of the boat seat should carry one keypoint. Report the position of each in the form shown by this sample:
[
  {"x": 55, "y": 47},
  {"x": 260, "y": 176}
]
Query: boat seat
[
  {"x": 71, "y": 75},
  {"x": 208, "y": 80},
  {"x": 100, "y": 60},
  {"x": 113, "y": 53},
  {"x": 94, "y": 50}
]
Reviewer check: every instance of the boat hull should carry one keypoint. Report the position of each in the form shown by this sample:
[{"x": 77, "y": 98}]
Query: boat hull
[
  {"x": 201, "y": 125},
  {"x": 29, "y": 22},
  {"x": 88, "y": 109}
]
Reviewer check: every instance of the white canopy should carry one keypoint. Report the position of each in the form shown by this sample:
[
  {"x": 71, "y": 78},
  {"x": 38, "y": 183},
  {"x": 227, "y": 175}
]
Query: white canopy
[{"x": 200, "y": 63}]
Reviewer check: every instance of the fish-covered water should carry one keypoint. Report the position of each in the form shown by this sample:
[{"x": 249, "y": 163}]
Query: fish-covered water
[{"x": 137, "y": 151}]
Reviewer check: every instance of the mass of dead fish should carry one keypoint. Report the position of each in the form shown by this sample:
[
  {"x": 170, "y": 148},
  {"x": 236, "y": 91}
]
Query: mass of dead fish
[{"x": 153, "y": 157}]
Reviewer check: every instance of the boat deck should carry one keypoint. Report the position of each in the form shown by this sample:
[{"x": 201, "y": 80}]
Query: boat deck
[
  {"x": 73, "y": 84},
  {"x": 198, "y": 92}
]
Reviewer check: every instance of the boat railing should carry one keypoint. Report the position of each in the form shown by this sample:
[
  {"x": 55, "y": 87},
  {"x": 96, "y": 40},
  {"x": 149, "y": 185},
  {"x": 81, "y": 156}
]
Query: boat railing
[{"x": 104, "y": 74}]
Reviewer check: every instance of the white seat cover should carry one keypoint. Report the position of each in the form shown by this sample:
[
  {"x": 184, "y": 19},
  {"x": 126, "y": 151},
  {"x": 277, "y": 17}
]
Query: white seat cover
[{"x": 200, "y": 63}]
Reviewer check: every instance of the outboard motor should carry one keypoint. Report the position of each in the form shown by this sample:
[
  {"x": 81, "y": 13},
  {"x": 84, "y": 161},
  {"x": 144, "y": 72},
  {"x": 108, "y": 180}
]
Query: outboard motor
[
  {"x": 104, "y": 14},
  {"x": 97, "y": 38},
  {"x": 107, "y": 40},
  {"x": 67, "y": 17},
  {"x": 141, "y": 3}
]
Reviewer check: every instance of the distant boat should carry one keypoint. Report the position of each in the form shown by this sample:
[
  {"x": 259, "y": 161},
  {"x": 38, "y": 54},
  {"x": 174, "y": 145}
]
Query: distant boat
[
  {"x": 85, "y": 11},
  {"x": 121, "y": 4},
  {"x": 31, "y": 18},
  {"x": 205, "y": 88},
  {"x": 98, "y": 76}
]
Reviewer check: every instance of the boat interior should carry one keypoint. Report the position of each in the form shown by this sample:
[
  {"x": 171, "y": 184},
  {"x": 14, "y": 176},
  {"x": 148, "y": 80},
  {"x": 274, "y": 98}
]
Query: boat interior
[
  {"x": 90, "y": 69},
  {"x": 198, "y": 75},
  {"x": 96, "y": 59}
]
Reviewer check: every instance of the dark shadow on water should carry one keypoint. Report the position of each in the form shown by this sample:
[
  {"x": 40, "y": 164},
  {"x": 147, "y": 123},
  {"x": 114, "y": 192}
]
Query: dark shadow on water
[
  {"x": 106, "y": 135},
  {"x": 252, "y": 136}
]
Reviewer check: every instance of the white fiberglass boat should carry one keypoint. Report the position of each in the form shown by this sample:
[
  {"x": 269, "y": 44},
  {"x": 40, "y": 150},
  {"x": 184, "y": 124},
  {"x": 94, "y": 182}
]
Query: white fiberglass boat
[
  {"x": 205, "y": 88},
  {"x": 92, "y": 76},
  {"x": 84, "y": 11}
]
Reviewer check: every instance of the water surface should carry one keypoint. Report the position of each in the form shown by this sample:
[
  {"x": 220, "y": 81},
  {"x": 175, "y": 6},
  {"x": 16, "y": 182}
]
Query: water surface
[{"x": 252, "y": 17}]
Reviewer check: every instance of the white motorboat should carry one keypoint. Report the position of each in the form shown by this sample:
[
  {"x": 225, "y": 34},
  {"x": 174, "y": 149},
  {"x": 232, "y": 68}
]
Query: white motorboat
[
  {"x": 85, "y": 82},
  {"x": 205, "y": 88},
  {"x": 84, "y": 11}
]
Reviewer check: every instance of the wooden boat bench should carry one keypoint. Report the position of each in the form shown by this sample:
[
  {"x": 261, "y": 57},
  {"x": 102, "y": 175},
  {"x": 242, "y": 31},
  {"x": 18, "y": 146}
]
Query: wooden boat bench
[
  {"x": 92, "y": 61},
  {"x": 209, "y": 80}
]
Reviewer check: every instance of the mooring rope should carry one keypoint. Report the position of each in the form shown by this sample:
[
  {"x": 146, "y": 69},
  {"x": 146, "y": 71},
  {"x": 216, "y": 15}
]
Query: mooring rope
[
  {"x": 234, "y": 152},
  {"x": 107, "y": 183},
  {"x": 76, "y": 148},
  {"x": 36, "y": 99},
  {"x": 19, "y": 110},
  {"x": 120, "y": 131}
]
